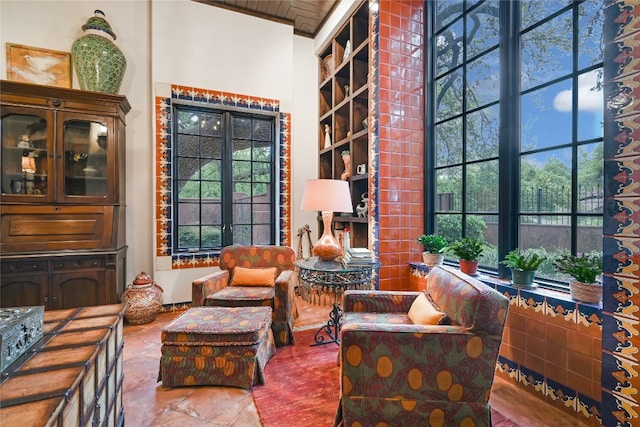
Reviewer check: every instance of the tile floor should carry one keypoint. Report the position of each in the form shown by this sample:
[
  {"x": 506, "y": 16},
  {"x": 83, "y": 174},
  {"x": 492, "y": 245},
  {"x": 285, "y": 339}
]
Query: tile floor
[{"x": 147, "y": 403}]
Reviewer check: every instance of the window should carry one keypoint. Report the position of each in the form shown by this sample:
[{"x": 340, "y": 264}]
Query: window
[
  {"x": 224, "y": 179},
  {"x": 515, "y": 125}
]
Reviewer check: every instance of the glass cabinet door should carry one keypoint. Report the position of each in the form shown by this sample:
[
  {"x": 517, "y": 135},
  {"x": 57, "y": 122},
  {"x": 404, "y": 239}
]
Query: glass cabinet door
[
  {"x": 26, "y": 150},
  {"x": 85, "y": 157}
]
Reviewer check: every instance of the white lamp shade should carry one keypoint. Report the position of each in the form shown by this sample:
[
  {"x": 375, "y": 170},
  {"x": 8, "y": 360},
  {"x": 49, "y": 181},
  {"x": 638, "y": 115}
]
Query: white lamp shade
[{"x": 328, "y": 195}]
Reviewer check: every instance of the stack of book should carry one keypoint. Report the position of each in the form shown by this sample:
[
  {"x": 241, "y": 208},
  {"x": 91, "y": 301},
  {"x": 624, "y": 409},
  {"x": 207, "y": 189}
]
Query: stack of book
[{"x": 358, "y": 257}]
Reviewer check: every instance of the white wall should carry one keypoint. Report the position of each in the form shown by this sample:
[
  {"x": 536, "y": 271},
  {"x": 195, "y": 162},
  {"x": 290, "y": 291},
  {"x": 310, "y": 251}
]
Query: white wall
[
  {"x": 198, "y": 45},
  {"x": 304, "y": 134},
  {"x": 187, "y": 43}
]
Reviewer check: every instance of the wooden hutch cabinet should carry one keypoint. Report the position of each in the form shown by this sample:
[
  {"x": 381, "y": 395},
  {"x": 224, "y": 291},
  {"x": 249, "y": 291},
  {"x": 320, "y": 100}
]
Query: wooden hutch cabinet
[
  {"x": 62, "y": 201},
  {"x": 344, "y": 110}
]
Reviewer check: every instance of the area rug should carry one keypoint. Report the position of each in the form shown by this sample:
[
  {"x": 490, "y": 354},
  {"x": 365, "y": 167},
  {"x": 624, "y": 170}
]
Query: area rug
[
  {"x": 499, "y": 420},
  {"x": 302, "y": 386}
]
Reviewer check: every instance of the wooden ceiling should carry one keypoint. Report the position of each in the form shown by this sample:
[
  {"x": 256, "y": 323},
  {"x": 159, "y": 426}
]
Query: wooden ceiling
[{"x": 306, "y": 16}]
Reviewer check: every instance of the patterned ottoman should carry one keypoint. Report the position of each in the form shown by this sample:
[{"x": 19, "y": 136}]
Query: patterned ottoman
[{"x": 217, "y": 346}]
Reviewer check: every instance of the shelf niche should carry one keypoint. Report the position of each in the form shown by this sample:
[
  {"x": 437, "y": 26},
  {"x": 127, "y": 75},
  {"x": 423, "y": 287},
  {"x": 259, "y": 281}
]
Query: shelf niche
[{"x": 344, "y": 106}]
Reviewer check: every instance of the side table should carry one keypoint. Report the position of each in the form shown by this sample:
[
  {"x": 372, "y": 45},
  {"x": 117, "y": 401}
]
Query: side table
[{"x": 333, "y": 277}]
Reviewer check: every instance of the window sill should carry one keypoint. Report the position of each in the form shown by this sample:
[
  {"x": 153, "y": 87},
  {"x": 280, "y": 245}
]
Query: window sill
[{"x": 505, "y": 286}]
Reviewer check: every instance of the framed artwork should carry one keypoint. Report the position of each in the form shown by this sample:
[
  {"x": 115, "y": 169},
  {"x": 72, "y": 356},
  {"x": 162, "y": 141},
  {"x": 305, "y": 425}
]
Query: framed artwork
[{"x": 37, "y": 65}]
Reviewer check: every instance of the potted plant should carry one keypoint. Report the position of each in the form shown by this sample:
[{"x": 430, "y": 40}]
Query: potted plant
[
  {"x": 434, "y": 246},
  {"x": 584, "y": 269},
  {"x": 523, "y": 266},
  {"x": 468, "y": 250}
]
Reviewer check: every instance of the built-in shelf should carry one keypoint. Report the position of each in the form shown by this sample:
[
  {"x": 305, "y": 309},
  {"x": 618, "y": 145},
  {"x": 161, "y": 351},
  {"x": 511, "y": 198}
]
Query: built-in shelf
[{"x": 343, "y": 94}]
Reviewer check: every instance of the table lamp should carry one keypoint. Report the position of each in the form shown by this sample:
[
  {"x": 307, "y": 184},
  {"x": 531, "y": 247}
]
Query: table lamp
[{"x": 327, "y": 196}]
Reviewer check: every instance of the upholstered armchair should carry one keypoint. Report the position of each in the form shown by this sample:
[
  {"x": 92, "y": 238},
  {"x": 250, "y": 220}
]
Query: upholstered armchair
[
  {"x": 238, "y": 284},
  {"x": 395, "y": 372}
]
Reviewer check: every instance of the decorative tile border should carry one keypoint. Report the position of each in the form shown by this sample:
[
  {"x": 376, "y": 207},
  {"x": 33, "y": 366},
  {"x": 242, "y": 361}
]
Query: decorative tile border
[
  {"x": 164, "y": 158},
  {"x": 419, "y": 269},
  {"x": 163, "y": 146},
  {"x": 620, "y": 379},
  {"x": 285, "y": 179},
  {"x": 507, "y": 369}
]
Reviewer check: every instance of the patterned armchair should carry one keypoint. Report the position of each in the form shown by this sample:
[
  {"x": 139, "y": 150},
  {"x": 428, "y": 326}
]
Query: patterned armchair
[
  {"x": 396, "y": 373},
  {"x": 213, "y": 289}
]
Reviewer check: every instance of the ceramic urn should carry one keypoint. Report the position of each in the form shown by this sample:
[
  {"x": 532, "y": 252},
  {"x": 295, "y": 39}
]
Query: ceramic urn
[
  {"x": 142, "y": 300},
  {"x": 99, "y": 63}
]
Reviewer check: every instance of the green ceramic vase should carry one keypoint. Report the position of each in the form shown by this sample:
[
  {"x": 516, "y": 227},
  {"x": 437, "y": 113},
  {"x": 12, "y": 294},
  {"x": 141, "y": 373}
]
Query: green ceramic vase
[{"x": 99, "y": 63}]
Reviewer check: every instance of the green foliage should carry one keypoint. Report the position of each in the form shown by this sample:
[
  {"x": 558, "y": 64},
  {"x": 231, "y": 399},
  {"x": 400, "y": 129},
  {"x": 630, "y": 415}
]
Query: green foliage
[
  {"x": 206, "y": 181},
  {"x": 489, "y": 256},
  {"x": 450, "y": 227},
  {"x": 188, "y": 237},
  {"x": 591, "y": 165},
  {"x": 528, "y": 260},
  {"x": 467, "y": 248},
  {"x": 433, "y": 243},
  {"x": 546, "y": 269},
  {"x": 584, "y": 268}
]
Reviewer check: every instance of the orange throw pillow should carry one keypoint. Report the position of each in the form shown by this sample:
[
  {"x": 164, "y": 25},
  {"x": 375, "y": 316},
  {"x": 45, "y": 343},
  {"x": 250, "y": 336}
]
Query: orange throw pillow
[
  {"x": 423, "y": 312},
  {"x": 254, "y": 276}
]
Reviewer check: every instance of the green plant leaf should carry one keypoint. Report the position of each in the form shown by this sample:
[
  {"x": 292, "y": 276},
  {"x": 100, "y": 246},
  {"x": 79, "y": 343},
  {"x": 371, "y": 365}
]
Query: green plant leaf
[{"x": 584, "y": 268}]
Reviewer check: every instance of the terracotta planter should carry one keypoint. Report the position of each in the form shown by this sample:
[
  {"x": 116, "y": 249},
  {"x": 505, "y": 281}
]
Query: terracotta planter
[
  {"x": 432, "y": 259},
  {"x": 468, "y": 267}
]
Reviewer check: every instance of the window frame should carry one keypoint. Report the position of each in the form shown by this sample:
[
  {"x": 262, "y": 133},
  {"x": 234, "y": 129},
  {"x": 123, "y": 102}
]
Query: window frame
[
  {"x": 509, "y": 126},
  {"x": 227, "y": 199}
]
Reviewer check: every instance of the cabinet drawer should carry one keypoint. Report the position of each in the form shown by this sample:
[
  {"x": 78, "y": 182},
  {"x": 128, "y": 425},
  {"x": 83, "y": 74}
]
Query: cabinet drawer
[
  {"x": 74, "y": 263},
  {"x": 24, "y": 266},
  {"x": 49, "y": 228}
]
